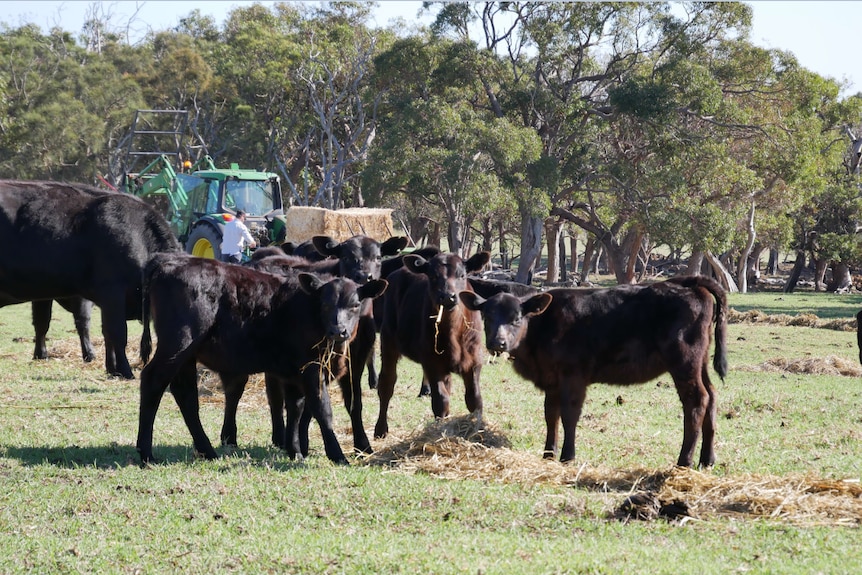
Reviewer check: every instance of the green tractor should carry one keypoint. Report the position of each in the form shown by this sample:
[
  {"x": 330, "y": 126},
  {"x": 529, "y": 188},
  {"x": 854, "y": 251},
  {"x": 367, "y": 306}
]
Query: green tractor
[{"x": 198, "y": 199}]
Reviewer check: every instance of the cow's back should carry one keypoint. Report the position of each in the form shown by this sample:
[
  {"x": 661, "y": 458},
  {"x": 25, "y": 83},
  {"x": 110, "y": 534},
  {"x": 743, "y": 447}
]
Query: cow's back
[
  {"x": 73, "y": 239},
  {"x": 236, "y": 312},
  {"x": 621, "y": 335}
]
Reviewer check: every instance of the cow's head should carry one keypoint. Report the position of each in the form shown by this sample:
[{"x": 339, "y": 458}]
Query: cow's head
[
  {"x": 447, "y": 274},
  {"x": 505, "y": 317},
  {"x": 340, "y": 302},
  {"x": 359, "y": 257}
]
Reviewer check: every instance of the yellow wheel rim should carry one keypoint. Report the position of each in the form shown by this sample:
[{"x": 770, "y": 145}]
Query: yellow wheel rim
[{"x": 203, "y": 249}]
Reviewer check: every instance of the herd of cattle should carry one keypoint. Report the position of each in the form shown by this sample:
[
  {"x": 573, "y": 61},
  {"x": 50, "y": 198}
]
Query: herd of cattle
[{"x": 309, "y": 315}]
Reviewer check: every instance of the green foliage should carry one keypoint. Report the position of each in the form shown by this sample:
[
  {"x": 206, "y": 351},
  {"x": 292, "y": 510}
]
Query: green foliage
[{"x": 650, "y": 117}]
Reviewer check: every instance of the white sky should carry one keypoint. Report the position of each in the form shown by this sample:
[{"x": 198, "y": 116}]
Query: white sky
[{"x": 820, "y": 34}]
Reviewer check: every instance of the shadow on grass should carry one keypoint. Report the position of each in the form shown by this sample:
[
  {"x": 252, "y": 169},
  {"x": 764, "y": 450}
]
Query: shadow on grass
[{"x": 118, "y": 456}]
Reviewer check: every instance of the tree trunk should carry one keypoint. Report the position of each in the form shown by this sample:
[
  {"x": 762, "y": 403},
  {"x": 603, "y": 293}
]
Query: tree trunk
[
  {"x": 695, "y": 262},
  {"x": 487, "y": 235},
  {"x": 820, "y": 266},
  {"x": 552, "y": 232},
  {"x": 531, "y": 246},
  {"x": 453, "y": 235},
  {"x": 724, "y": 276},
  {"x": 841, "y": 280},
  {"x": 564, "y": 276},
  {"x": 586, "y": 265},
  {"x": 573, "y": 249},
  {"x": 772, "y": 264},
  {"x": 742, "y": 265},
  {"x": 504, "y": 247},
  {"x": 793, "y": 278}
]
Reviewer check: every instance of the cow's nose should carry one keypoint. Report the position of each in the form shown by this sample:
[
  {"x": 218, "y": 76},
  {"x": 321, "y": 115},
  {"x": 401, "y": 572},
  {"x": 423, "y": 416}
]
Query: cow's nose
[
  {"x": 339, "y": 336},
  {"x": 449, "y": 300},
  {"x": 497, "y": 345}
]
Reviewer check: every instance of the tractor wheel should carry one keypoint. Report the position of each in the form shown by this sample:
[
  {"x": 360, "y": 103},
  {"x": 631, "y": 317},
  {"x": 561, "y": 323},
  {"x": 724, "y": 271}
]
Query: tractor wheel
[{"x": 204, "y": 242}]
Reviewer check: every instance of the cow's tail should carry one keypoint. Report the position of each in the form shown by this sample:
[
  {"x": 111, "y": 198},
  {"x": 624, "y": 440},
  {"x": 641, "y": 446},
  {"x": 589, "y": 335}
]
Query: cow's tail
[
  {"x": 719, "y": 361},
  {"x": 146, "y": 338}
]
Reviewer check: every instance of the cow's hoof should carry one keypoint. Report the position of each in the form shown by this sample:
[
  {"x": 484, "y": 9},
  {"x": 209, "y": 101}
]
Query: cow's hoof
[{"x": 209, "y": 454}]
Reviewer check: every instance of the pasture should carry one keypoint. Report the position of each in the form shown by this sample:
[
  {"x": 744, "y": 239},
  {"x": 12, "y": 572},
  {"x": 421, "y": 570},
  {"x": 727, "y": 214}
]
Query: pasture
[{"x": 784, "y": 496}]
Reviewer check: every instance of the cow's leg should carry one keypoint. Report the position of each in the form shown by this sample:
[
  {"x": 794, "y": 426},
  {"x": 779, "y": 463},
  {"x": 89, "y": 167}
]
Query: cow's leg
[
  {"x": 424, "y": 388},
  {"x": 472, "y": 391},
  {"x": 372, "y": 372},
  {"x": 293, "y": 400},
  {"x": 305, "y": 418},
  {"x": 115, "y": 332},
  {"x": 184, "y": 387},
  {"x": 155, "y": 378},
  {"x": 41, "y": 320},
  {"x": 275, "y": 395},
  {"x": 572, "y": 394},
  {"x": 81, "y": 309},
  {"x": 552, "y": 423},
  {"x": 233, "y": 386},
  {"x": 707, "y": 450},
  {"x": 695, "y": 404},
  {"x": 385, "y": 386},
  {"x": 441, "y": 389},
  {"x": 317, "y": 401},
  {"x": 351, "y": 383}
]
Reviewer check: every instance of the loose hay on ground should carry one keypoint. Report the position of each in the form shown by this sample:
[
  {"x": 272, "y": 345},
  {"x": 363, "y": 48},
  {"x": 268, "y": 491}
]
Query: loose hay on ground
[
  {"x": 467, "y": 448},
  {"x": 829, "y": 365},
  {"x": 801, "y": 320}
]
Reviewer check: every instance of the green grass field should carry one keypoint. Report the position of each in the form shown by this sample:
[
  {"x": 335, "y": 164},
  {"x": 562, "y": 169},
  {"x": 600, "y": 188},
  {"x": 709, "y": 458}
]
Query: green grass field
[{"x": 75, "y": 500}]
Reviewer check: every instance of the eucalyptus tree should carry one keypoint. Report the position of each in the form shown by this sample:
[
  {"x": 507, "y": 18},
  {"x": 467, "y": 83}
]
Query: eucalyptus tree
[
  {"x": 437, "y": 146},
  {"x": 61, "y": 106},
  {"x": 557, "y": 67}
]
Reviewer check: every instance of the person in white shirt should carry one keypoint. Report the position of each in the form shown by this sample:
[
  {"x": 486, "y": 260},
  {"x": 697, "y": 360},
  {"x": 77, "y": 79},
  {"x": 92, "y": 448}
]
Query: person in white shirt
[{"x": 236, "y": 235}]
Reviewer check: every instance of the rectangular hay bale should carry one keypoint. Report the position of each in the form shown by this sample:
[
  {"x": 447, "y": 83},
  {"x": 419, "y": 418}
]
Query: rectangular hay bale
[{"x": 305, "y": 222}]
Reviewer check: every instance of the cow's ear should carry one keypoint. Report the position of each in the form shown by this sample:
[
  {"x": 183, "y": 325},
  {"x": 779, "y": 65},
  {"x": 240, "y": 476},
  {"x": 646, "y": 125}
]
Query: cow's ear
[
  {"x": 288, "y": 248},
  {"x": 309, "y": 283},
  {"x": 416, "y": 264},
  {"x": 393, "y": 245},
  {"x": 325, "y": 245},
  {"x": 472, "y": 300},
  {"x": 477, "y": 262},
  {"x": 536, "y": 304},
  {"x": 372, "y": 289}
]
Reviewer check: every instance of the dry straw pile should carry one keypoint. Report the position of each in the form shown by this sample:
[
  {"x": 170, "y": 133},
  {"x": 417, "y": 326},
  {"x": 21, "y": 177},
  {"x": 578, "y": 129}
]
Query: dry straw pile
[
  {"x": 466, "y": 448},
  {"x": 800, "y": 320}
]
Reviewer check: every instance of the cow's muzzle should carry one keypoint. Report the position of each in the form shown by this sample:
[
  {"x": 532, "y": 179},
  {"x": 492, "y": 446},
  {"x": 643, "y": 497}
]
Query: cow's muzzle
[
  {"x": 497, "y": 346},
  {"x": 448, "y": 301},
  {"x": 339, "y": 336}
]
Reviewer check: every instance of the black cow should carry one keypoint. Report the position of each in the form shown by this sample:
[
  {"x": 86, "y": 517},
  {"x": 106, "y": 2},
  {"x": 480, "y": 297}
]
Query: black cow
[
  {"x": 357, "y": 258},
  {"x": 565, "y": 339},
  {"x": 389, "y": 266},
  {"x": 237, "y": 321},
  {"x": 424, "y": 320},
  {"x": 75, "y": 241}
]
